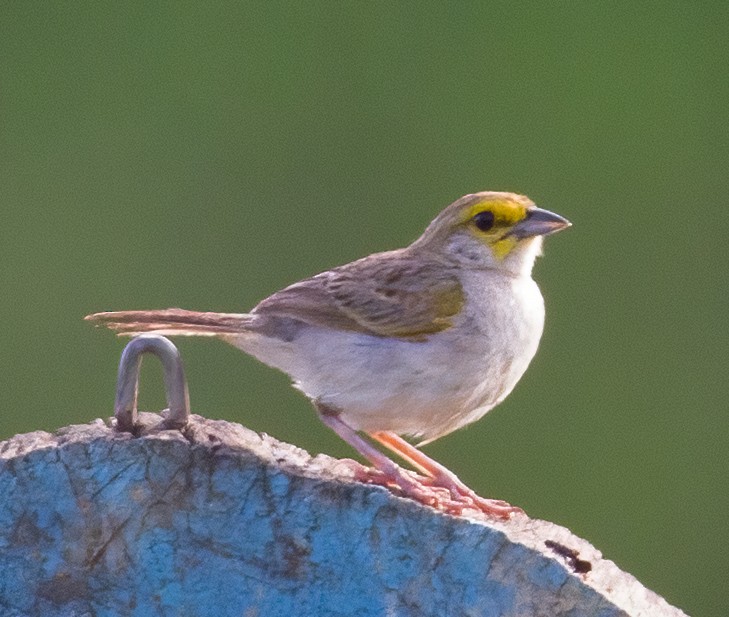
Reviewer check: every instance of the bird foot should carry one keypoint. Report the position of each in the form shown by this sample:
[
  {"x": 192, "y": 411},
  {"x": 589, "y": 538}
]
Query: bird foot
[
  {"x": 468, "y": 499},
  {"x": 447, "y": 496}
]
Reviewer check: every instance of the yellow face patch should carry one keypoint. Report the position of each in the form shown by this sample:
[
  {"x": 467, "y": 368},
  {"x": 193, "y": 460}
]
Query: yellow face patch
[
  {"x": 506, "y": 213},
  {"x": 504, "y": 246}
]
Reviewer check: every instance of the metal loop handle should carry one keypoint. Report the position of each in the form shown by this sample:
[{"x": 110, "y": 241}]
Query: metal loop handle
[{"x": 127, "y": 385}]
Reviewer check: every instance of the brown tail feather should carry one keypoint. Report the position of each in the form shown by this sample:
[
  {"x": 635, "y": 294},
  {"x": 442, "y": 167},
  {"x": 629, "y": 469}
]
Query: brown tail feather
[{"x": 171, "y": 322}]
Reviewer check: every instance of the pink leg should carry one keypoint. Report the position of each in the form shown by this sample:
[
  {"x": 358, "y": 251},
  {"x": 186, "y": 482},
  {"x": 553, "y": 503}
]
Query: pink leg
[
  {"x": 392, "y": 474},
  {"x": 443, "y": 477},
  {"x": 442, "y": 490}
]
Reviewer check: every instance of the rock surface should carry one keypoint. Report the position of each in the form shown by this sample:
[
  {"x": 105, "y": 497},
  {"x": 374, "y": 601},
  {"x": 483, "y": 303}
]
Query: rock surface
[{"x": 219, "y": 520}]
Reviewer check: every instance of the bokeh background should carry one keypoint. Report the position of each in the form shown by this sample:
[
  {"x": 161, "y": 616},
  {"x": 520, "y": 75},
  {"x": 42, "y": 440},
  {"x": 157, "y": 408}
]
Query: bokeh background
[{"x": 204, "y": 155}]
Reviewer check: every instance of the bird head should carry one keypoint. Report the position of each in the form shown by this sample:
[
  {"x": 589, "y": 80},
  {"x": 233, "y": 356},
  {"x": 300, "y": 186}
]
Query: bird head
[{"x": 491, "y": 230}]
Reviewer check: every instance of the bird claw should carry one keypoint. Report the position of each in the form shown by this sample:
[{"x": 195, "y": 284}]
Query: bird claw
[
  {"x": 492, "y": 507},
  {"x": 450, "y": 499},
  {"x": 467, "y": 499}
]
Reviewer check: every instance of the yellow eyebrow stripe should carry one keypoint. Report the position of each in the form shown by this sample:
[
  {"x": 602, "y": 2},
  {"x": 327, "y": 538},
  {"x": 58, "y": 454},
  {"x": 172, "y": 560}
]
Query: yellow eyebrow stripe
[{"x": 505, "y": 212}]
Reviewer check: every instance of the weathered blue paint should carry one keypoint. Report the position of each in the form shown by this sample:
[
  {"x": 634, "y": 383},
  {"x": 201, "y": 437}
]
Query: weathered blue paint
[{"x": 97, "y": 523}]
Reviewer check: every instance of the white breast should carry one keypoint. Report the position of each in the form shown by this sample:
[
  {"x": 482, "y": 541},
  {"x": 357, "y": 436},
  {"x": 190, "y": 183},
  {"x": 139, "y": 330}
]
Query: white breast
[{"x": 425, "y": 388}]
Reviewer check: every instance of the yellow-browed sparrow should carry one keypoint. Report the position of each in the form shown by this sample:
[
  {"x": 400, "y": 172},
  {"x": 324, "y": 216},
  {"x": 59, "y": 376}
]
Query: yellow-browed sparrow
[{"x": 419, "y": 341}]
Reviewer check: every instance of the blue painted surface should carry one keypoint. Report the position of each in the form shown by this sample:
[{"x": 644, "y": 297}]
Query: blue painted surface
[{"x": 102, "y": 528}]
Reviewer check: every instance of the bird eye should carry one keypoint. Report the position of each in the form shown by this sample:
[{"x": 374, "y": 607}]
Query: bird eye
[{"x": 484, "y": 220}]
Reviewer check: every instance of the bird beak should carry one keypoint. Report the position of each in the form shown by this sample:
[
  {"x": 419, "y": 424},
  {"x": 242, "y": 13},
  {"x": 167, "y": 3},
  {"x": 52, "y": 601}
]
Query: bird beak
[{"x": 539, "y": 222}]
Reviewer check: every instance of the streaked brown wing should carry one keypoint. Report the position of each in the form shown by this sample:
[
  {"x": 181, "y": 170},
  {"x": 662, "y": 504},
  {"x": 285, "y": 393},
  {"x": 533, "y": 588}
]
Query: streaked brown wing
[
  {"x": 310, "y": 302},
  {"x": 384, "y": 295}
]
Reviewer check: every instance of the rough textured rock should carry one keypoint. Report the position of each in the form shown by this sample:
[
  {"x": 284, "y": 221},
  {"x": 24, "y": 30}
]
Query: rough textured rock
[{"x": 218, "y": 520}]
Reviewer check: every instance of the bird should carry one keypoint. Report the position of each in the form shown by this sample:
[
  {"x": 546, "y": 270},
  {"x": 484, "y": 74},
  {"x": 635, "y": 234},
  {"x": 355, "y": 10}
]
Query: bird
[{"x": 408, "y": 344}]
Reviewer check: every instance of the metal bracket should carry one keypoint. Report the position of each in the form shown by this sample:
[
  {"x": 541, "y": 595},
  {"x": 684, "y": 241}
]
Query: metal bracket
[{"x": 127, "y": 385}]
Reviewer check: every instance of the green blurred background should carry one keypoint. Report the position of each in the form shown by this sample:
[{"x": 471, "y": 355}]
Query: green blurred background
[{"x": 204, "y": 155}]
